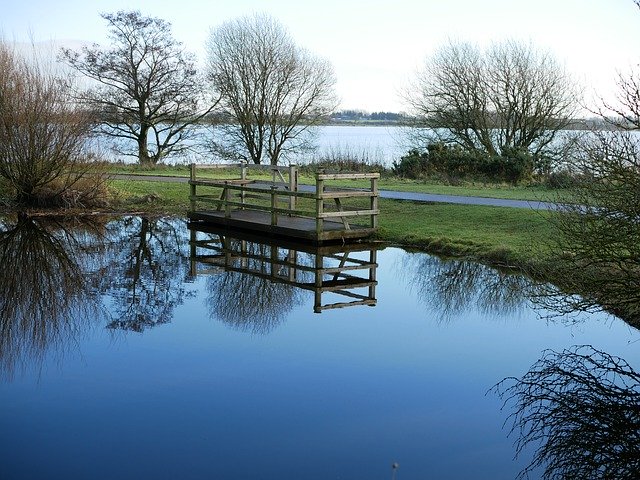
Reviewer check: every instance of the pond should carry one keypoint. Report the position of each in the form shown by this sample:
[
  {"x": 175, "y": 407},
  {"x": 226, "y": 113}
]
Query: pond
[{"x": 141, "y": 348}]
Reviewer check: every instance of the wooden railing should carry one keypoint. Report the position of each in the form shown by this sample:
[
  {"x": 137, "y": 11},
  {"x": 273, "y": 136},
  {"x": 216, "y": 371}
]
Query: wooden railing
[
  {"x": 282, "y": 196},
  {"x": 322, "y": 194}
]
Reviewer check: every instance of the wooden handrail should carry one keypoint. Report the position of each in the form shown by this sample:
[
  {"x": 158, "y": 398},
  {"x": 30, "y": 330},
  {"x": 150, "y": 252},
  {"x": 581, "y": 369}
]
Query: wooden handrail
[{"x": 271, "y": 191}]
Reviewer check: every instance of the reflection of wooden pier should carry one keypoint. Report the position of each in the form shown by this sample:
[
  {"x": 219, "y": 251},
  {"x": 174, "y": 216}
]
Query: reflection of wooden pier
[
  {"x": 347, "y": 272},
  {"x": 280, "y": 207}
]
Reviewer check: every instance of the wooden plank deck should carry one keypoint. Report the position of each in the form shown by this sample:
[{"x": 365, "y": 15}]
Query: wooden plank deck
[
  {"x": 303, "y": 228},
  {"x": 316, "y": 219}
]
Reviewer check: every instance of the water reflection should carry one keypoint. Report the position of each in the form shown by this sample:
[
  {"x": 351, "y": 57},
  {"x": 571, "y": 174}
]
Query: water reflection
[
  {"x": 254, "y": 282},
  {"x": 452, "y": 287},
  {"x": 62, "y": 275},
  {"x": 46, "y": 299},
  {"x": 580, "y": 409},
  {"x": 145, "y": 274}
]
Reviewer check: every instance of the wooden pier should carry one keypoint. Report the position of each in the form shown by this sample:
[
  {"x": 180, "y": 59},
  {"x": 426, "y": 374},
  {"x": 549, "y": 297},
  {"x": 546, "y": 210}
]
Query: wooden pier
[
  {"x": 279, "y": 206},
  {"x": 345, "y": 275}
]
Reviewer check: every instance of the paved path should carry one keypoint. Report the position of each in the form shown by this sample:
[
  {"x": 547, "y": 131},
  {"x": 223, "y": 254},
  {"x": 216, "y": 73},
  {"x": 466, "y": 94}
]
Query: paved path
[{"x": 392, "y": 194}]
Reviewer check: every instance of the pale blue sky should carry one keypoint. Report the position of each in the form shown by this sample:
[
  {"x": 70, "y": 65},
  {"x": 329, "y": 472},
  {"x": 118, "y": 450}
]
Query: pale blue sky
[{"x": 375, "y": 46}]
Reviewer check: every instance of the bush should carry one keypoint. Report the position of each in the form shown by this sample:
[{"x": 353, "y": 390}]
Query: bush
[
  {"x": 455, "y": 162},
  {"x": 347, "y": 159},
  {"x": 412, "y": 165},
  {"x": 561, "y": 179},
  {"x": 43, "y": 135}
]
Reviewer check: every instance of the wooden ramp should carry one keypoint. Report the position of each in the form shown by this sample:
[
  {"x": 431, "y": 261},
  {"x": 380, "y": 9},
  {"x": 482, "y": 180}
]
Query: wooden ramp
[{"x": 278, "y": 208}]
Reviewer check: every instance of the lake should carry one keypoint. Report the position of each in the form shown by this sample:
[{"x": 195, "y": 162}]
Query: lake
[
  {"x": 136, "y": 347},
  {"x": 381, "y": 144},
  {"x": 376, "y": 144}
]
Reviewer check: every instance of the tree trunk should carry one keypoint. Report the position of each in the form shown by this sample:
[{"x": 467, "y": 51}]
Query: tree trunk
[{"x": 143, "y": 149}]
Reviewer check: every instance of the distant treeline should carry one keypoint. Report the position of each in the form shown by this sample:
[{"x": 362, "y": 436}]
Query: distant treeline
[
  {"x": 360, "y": 116},
  {"x": 374, "y": 118}
]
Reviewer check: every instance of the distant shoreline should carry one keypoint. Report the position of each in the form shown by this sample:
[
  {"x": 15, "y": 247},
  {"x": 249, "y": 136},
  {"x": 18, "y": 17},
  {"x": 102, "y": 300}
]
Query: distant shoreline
[{"x": 363, "y": 123}]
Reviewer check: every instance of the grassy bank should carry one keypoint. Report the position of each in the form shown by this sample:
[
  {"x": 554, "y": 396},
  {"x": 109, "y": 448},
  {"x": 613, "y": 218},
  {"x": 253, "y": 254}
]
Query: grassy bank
[{"x": 496, "y": 235}]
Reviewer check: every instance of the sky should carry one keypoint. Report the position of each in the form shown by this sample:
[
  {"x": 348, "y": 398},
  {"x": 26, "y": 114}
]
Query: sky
[{"x": 376, "y": 47}]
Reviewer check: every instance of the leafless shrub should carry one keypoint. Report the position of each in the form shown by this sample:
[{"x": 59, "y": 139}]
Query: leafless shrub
[
  {"x": 580, "y": 410},
  {"x": 597, "y": 245},
  {"x": 46, "y": 301},
  {"x": 349, "y": 159},
  {"x": 44, "y": 155}
]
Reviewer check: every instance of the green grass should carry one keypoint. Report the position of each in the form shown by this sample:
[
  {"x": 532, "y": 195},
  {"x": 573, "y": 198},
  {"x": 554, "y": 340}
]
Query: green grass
[
  {"x": 496, "y": 234},
  {"x": 155, "y": 197},
  {"x": 467, "y": 189}
]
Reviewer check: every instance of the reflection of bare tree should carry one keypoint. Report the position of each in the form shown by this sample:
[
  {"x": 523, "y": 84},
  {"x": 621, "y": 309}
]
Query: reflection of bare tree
[
  {"x": 45, "y": 297},
  {"x": 581, "y": 408},
  {"x": 251, "y": 302},
  {"x": 451, "y": 286},
  {"x": 145, "y": 273}
]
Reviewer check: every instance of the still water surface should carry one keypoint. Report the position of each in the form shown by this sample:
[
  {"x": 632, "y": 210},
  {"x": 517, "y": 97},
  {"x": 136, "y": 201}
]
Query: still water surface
[
  {"x": 126, "y": 352},
  {"x": 372, "y": 144}
]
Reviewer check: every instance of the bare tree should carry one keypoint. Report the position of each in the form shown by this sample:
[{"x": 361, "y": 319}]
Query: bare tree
[
  {"x": 273, "y": 92},
  {"x": 624, "y": 111},
  {"x": 598, "y": 240},
  {"x": 450, "y": 287},
  {"x": 580, "y": 410},
  {"x": 244, "y": 295},
  {"x": 143, "y": 274},
  {"x": 43, "y": 148},
  {"x": 508, "y": 97},
  {"x": 597, "y": 248},
  {"x": 147, "y": 88}
]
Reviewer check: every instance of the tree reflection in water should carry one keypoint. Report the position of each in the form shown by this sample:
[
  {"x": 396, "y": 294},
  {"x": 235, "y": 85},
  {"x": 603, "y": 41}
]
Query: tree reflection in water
[
  {"x": 145, "y": 274},
  {"x": 581, "y": 409},
  {"x": 46, "y": 299},
  {"x": 453, "y": 286},
  {"x": 56, "y": 273},
  {"x": 252, "y": 303}
]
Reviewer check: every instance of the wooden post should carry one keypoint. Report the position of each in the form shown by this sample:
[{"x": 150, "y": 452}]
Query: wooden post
[
  {"x": 293, "y": 185},
  {"x": 373, "y": 260},
  {"x": 243, "y": 169},
  {"x": 227, "y": 201},
  {"x": 244, "y": 261},
  {"x": 274, "y": 205},
  {"x": 273, "y": 261},
  {"x": 374, "y": 202},
  {"x": 192, "y": 187},
  {"x": 193, "y": 271},
  {"x": 226, "y": 249},
  {"x": 319, "y": 206},
  {"x": 243, "y": 176},
  {"x": 292, "y": 258},
  {"x": 319, "y": 274}
]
